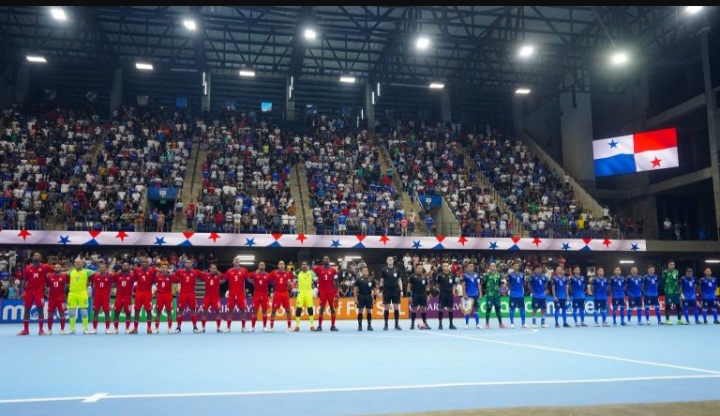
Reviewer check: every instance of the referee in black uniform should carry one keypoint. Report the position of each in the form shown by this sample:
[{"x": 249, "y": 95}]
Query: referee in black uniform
[
  {"x": 365, "y": 291},
  {"x": 419, "y": 287},
  {"x": 391, "y": 285},
  {"x": 446, "y": 281}
]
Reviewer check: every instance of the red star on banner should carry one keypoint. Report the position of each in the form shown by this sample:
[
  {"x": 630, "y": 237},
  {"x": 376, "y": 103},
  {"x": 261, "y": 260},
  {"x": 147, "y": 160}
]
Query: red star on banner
[
  {"x": 384, "y": 239},
  {"x": 537, "y": 241},
  {"x": 587, "y": 240},
  {"x": 277, "y": 236},
  {"x": 302, "y": 238},
  {"x": 440, "y": 238},
  {"x": 214, "y": 236},
  {"x": 607, "y": 243},
  {"x": 24, "y": 234},
  {"x": 360, "y": 237},
  {"x": 462, "y": 240},
  {"x": 94, "y": 233},
  {"x": 515, "y": 240},
  {"x": 121, "y": 235},
  {"x": 188, "y": 234},
  {"x": 656, "y": 162}
]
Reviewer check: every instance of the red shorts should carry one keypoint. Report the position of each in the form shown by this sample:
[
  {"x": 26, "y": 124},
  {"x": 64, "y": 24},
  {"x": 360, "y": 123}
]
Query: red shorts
[
  {"x": 326, "y": 297},
  {"x": 281, "y": 299},
  {"x": 261, "y": 300},
  {"x": 122, "y": 303},
  {"x": 211, "y": 301},
  {"x": 56, "y": 303},
  {"x": 187, "y": 300},
  {"x": 236, "y": 300},
  {"x": 34, "y": 296},
  {"x": 164, "y": 300},
  {"x": 101, "y": 302},
  {"x": 143, "y": 300}
]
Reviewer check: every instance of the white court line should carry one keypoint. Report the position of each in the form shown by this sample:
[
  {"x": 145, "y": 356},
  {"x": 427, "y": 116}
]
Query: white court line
[
  {"x": 585, "y": 354},
  {"x": 362, "y": 389},
  {"x": 95, "y": 397}
]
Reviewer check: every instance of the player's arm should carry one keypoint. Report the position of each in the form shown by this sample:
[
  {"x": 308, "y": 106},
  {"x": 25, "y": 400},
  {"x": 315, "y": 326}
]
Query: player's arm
[
  {"x": 400, "y": 285},
  {"x": 591, "y": 286},
  {"x": 464, "y": 292},
  {"x": 355, "y": 292},
  {"x": 553, "y": 292}
]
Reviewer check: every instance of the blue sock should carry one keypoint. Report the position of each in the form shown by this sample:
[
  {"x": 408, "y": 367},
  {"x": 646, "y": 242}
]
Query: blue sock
[
  {"x": 467, "y": 319},
  {"x": 714, "y": 315},
  {"x": 534, "y": 321},
  {"x": 687, "y": 316},
  {"x": 595, "y": 315},
  {"x": 564, "y": 313},
  {"x": 542, "y": 321},
  {"x": 604, "y": 315},
  {"x": 477, "y": 318},
  {"x": 575, "y": 315},
  {"x": 639, "y": 315},
  {"x": 557, "y": 315},
  {"x": 629, "y": 314},
  {"x": 695, "y": 312},
  {"x": 512, "y": 316},
  {"x": 582, "y": 315},
  {"x": 704, "y": 314},
  {"x": 647, "y": 313},
  {"x": 657, "y": 313},
  {"x": 522, "y": 316},
  {"x": 622, "y": 315},
  {"x": 614, "y": 316}
]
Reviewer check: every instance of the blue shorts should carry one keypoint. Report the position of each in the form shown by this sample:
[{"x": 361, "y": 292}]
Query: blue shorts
[
  {"x": 618, "y": 302},
  {"x": 651, "y": 301},
  {"x": 561, "y": 303},
  {"x": 600, "y": 304},
  {"x": 539, "y": 303},
  {"x": 517, "y": 303},
  {"x": 709, "y": 303},
  {"x": 578, "y": 304},
  {"x": 636, "y": 302},
  {"x": 690, "y": 303}
]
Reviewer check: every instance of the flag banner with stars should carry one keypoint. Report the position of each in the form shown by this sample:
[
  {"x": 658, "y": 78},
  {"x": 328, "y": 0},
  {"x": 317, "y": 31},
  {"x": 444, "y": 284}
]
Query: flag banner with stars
[
  {"x": 187, "y": 239},
  {"x": 639, "y": 152}
]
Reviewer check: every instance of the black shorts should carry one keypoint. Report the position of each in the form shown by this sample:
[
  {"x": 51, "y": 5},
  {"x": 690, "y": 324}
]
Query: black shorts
[
  {"x": 476, "y": 302},
  {"x": 709, "y": 303},
  {"x": 391, "y": 296},
  {"x": 539, "y": 304},
  {"x": 491, "y": 301},
  {"x": 364, "y": 301},
  {"x": 446, "y": 300},
  {"x": 600, "y": 304},
  {"x": 690, "y": 303},
  {"x": 618, "y": 302},
  {"x": 561, "y": 303},
  {"x": 578, "y": 304},
  {"x": 419, "y": 300},
  {"x": 636, "y": 302},
  {"x": 673, "y": 299},
  {"x": 517, "y": 303},
  {"x": 651, "y": 301}
]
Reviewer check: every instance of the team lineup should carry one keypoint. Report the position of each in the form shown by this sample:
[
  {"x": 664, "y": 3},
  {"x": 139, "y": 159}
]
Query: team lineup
[{"x": 136, "y": 287}]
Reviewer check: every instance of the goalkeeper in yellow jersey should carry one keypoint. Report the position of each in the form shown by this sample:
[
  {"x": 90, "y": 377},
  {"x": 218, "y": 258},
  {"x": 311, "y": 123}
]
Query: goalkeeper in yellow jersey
[
  {"x": 305, "y": 280},
  {"x": 78, "y": 294}
]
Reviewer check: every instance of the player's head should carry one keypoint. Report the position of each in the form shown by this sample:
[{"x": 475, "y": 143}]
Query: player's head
[
  {"x": 538, "y": 269},
  {"x": 651, "y": 269},
  {"x": 470, "y": 267},
  {"x": 576, "y": 270},
  {"x": 304, "y": 266},
  {"x": 617, "y": 271},
  {"x": 213, "y": 268},
  {"x": 261, "y": 266},
  {"x": 419, "y": 269},
  {"x": 164, "y": 268},
  {"x": 633, "y": 270},
  {"x": 390, "y": 261},
  {"x": 79, "y": 263},
  {"x": 365, "y": 272},
  {"x": 57, "y": 267},
  {"x": 559, "y": 271},
  {"x": 493, "y": 267},
  {"x": 188, "y": 264},
  {"x": 36, "y": 257},
  {"x": 236, "y": 261},
  {"x": 326, "y": 261},
  {"x": 446, "y": 267},
  {"x": 688, "y": 271},
  {"x": 671, "y": 265},
  {"x": 516, "y": 266},
  {"x": 281, "y": 266},
  {"x": 126, "y": 266},
  {"x": 144, "y": 262},
  {"x": 707, "y": 272},
  {"x": 103, "y": 267},
  {"x": 600, "y": 272}
]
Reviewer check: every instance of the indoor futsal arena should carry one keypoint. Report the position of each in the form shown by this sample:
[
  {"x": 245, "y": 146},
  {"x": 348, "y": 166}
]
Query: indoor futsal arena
[{"x": 360, "y": 210}]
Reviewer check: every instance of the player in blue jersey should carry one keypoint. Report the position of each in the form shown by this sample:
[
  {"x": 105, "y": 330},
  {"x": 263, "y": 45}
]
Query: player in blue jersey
[
  {"x": 538, "y": 288},
  {"x": 708, "y": 288},
  {"x": 471, "y": 289},
  {"x": 599, "y": 292},
  {"x": 651, "y": 282},
  {"x": 617, "y": 289},
  {"x": 517, "y": 294},
  {"x": 688, "y": 296},
  {"x": 634, "y": 290},
  {"x": 560, "y": 295},
  {"x": 577, "y": 291}
]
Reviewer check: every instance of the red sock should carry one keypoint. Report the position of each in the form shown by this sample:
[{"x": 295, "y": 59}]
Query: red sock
[
  {"x": 179, "y": 321},
  {"x": 135, "y": 326},
  {"x": 272, "y": 322},
  {"x": 95, "y": 321},
  {"x": 169, "y": 323},
  {"x": 289, "y": 324},
  {"x": 62, "y": 323},
  {"x": 243, "y": 322},
  {"x": 26, "y": 326},
  {"x": 254, "y": 319},
  {"x": 332, "y": 319},
  {"x": 127, "y": 324},
  {"x": 264, "y": 321},
  {"x": 41, "y": 321},
  {"x": 203, "y": 323},
  {"x": 50, "y": 322},
  {"x": 194, "y": 321},
  {"x": 229, "y": 323},
  {"x": 218, "y": 323},
  {"x": 107, "y": 324},
  {"x": 157, "y": 324},
  {"x": 320, "y": 319}
]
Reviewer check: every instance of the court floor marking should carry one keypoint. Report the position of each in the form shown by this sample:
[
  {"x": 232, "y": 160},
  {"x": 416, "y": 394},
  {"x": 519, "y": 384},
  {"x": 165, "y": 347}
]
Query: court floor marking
[
  {"x": 105, "y": 396},
  {"x": 584, "y": 354}
]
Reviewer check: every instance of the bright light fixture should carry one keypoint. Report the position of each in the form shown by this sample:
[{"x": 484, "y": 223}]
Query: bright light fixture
[
  {"x": 36, "y": 59},
  {"x": 243, "y": 257},
  {"x": 422, "y": 43},
  {"x": 693, "y": 9},
  {"x": 619, "y": 58},
  {"x": 349, "y": 80},
  {"x": 189, "y": 24},
  {"x": 627, "y": 261},
  {"x": 58, "y": 14},
  {"x": 437, "y": 86},
  {"x": 712, "y": 261},
  {"x": 526, "y": 51},
  {"x": 310, "y": 34},
  {"x": 143, "y": 66},
  {"x": 246, "y": 73},
  {"x": 522, "y": 91}
]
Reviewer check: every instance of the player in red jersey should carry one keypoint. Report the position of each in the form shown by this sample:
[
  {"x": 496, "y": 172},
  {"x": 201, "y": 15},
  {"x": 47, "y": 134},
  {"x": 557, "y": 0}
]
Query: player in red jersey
[
  {"x": 57, "y": 281},
  {"x": 211, "y": 300},
  {"x": 164, "y": 298},
  {"x": 236, "y": 277},
  {"x": 281, "y": 279},
  {"x": 123, "y": 296},
  {"x": 144, "y": 279},
  {"x": 101, "y": 285},
  {"x": 187, "y": 277},
  {"x": 34, "y": 281},
  {"x": 327, "y": 291},
  {"x": 261, "y": 295}
]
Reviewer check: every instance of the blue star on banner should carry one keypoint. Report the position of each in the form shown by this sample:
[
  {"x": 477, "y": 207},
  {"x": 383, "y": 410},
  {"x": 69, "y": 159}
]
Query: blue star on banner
[
  {"x": 64, "y": 240},
  {"x": 250, "y": 242},
  {"x": 613, "y": 144},
  {"x": 335, "y": 243},
  {"x": 566, "y": 246},
  {"x": 634, "y": 247},
  {"x": 493, "y": 245},
  {"x": 160, "y": 241},
  {"x": 416, "y": 244}
]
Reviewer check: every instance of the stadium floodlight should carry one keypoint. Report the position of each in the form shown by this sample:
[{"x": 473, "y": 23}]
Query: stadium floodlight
[
  {"x": 522, "y": 91},
  {"x": 627, "y": 261},
  {"x": 693, "y": 9},
  {"x": 437, "y": 86},
  {"x": 144, "y": 66},
  {"x": 310, "y": 34},
  {"x": 619, "y": 58},
  {"x": 349, "y": 80},
  {"x": 712, "y": 261},
  {"x": 422, "y": 43},
  {"x": 58, "y": 14},
  {"x": 190, "y": 24},
  {"x": 526, "y": 51},
  {"x": 246, "y": 73},
  {"x": 36, "y": 59}
]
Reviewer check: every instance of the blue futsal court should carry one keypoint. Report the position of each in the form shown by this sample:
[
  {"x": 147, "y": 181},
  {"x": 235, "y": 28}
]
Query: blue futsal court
[{"x": 352, "y": 373}]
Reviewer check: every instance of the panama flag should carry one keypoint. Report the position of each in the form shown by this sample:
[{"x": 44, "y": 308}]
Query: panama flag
[{"x": 639, "y": 152}]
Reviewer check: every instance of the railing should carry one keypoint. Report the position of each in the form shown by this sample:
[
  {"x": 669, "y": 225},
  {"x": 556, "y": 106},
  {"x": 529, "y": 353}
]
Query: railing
[{"x": 302, "y": 200}]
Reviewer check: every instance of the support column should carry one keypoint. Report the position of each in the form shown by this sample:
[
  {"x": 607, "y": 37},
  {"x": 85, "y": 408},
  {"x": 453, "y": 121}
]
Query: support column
[
  {"x": 116, "y": 93},
  {"x": 370, "y": 107},
  {"x": 290, "y": 98},
  {"x": 22, "y": 85},
  {"x": 206, "y": 91},
  {"x": 576, "y": 130},
  {"x": 712, "y": 116},
  {"x": 445, "y": 107}
]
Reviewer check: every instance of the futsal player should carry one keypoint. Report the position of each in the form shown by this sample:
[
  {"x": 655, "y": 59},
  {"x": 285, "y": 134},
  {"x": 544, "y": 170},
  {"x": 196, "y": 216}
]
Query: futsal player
[
  {"x": 78, "y": 294},
  {"x": 560, "y": 295},
  {"x": 305, "y": 279},
  {"x": 102, "y": 282},
  {"x": 617, "y": 288},
  {"x": 538, "y": 287},
  {"x": 144, "y": 277},
  {"x": 164, "y": 297},
  {"x": 34, "y": 281},
  {"x": 392, "y": 290},
  {"x": 634, "y": 289},
  {"x": 124, "y": 281},
  {"x": 708, "y": 288},
  {"x": 211, "y": 300},
  {"x": 419, "y": 287},
  {"x": 599, "y": 292},
  {"x": 650, "y": 291},
  {"x": 446, "y": 281},
  {"x": 57, "y": 281},
  {"x": 492, "y": 281},
  {"x": 187, "y": 277},
  {"x": 327, "y": 291},
  {"x": 471, "y": 289},
  {"x": 517, "y": 294},
  {"x": 261, "y": 295},
  {"x": 577, "y": 290},
  {"x": 237, "y": 301},
  {"x": 688, "y": 296},
  {"x": 671, "y": 285},
  {"x": 281, "y": 279},
  {"x": 364, "y": 291}
]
